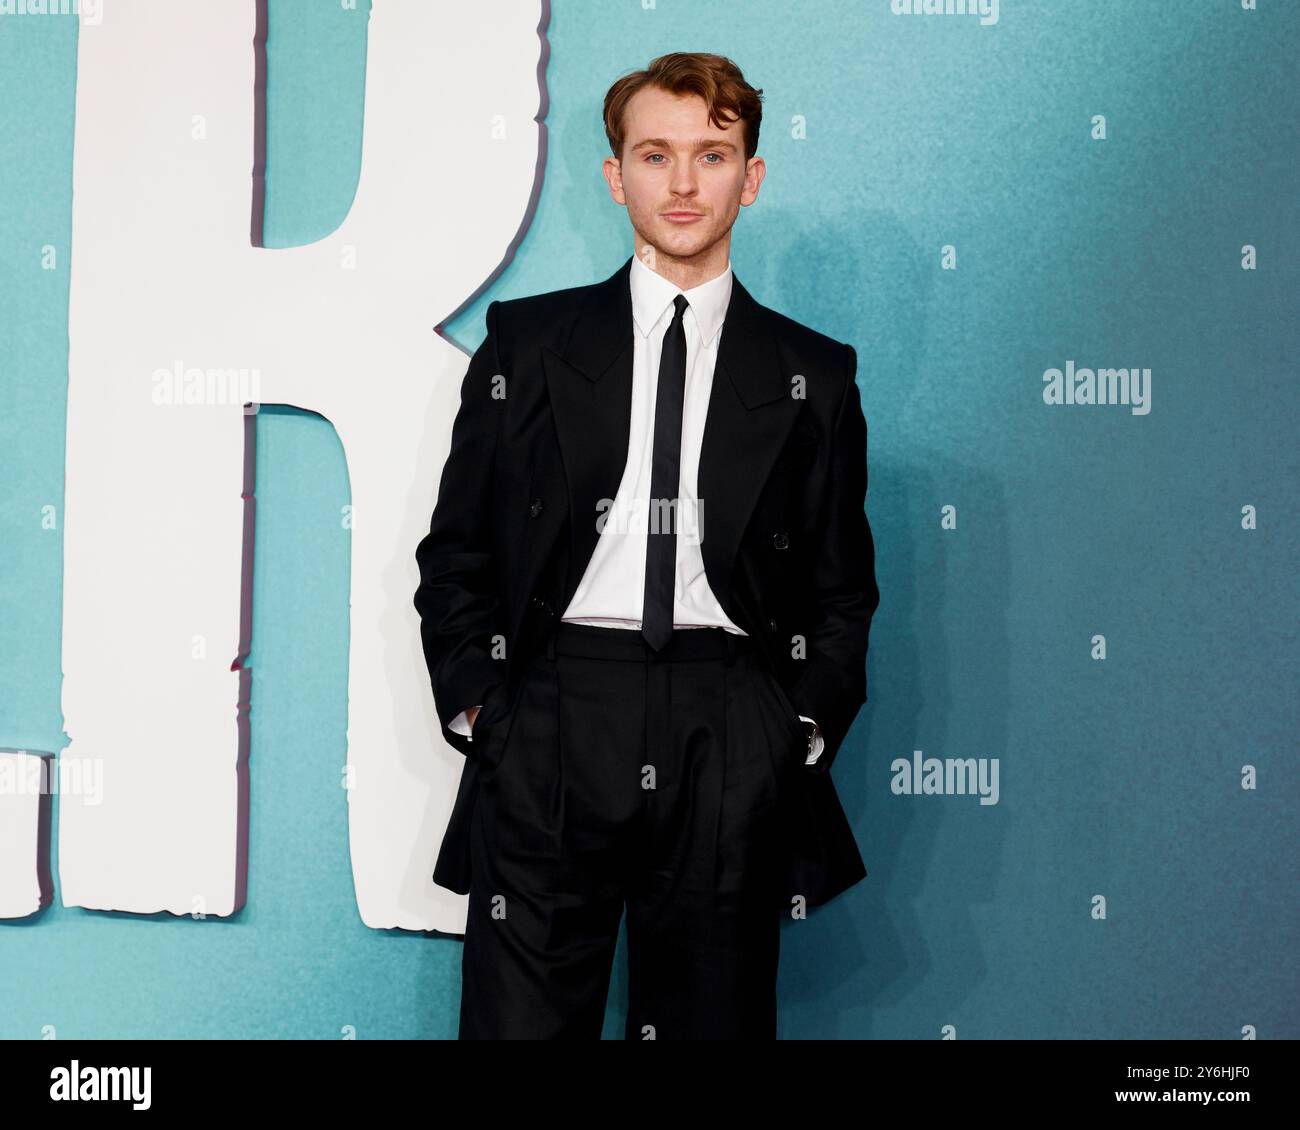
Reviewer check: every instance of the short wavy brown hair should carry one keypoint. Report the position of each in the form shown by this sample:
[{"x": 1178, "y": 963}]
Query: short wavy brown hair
[{"x": 714, "y": 78}]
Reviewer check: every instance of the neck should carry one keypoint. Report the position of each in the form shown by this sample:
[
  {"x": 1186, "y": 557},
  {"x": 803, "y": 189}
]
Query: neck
[{"x": 685, "y": 272}]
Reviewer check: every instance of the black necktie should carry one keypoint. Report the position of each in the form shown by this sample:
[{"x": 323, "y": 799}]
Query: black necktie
[{"x": 661, "y": 528}]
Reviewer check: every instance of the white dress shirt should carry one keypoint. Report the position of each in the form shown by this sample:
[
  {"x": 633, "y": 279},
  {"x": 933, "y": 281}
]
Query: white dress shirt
[{"x": 611, "y": 592}]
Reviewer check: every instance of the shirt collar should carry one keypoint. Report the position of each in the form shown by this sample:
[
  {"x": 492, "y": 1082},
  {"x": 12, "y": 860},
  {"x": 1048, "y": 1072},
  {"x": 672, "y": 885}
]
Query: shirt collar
[{"x": 652, "y": 295}]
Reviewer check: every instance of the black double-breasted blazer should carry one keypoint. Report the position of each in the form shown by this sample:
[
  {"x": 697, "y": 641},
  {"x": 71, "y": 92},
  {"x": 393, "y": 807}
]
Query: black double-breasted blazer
[{"x": 538, "y": 448}]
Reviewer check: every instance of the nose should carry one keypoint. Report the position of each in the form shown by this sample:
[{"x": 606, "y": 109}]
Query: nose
[{"x": 682, "y": 184}]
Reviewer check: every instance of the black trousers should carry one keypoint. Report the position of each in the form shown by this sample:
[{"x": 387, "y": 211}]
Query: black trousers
[{"x": 620, "y": 778}]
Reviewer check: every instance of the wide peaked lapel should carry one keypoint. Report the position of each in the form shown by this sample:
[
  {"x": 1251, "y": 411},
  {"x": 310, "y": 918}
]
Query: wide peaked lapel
[
  {"x": 589, "y": 383},
  {"x": 751, "y": 410}
]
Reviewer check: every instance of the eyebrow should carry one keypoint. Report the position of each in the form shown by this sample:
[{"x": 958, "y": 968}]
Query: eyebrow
[{"x": 699, "y": 143}]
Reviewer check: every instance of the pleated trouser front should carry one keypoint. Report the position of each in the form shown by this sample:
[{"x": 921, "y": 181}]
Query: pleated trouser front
[{"x": 621, "y": 779}]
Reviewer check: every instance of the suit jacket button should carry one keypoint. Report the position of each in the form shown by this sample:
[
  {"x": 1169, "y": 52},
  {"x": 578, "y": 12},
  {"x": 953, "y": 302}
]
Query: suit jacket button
[
  {"x": 535, "y": 508},
  {"x": 781, "y": 540}
]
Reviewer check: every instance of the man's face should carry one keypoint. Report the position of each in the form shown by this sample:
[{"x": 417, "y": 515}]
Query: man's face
[{"x": 682, "y": 179}]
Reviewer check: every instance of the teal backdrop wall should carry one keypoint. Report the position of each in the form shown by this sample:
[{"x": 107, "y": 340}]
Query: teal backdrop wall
[{"x": 888, "y": 138}]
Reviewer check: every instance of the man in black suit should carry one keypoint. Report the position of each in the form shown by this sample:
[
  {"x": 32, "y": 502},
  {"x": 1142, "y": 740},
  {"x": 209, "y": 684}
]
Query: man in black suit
[{"x": 645, "y": 599}]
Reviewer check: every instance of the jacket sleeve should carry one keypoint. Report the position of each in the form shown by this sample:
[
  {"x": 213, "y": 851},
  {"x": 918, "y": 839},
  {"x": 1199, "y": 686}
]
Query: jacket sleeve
[
  {"x": 459, "y": 599},
  {"x": 833, "y": 684}
]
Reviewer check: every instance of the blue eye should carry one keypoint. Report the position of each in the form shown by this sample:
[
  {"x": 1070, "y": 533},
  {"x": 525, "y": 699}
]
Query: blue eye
[{"x": 719, "y": 161}]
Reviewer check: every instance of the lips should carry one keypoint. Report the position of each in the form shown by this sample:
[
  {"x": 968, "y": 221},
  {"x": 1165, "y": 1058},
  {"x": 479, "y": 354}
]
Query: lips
[{"x": 682, "y": 217}]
